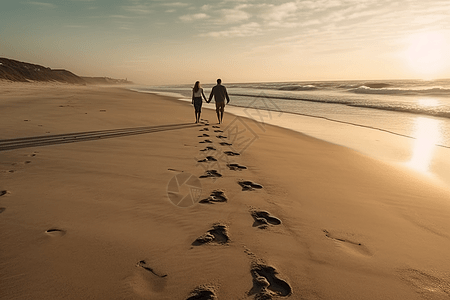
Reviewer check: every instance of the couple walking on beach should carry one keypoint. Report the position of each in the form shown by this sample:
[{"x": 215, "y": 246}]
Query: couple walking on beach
[{"x": 220, "y": 94}]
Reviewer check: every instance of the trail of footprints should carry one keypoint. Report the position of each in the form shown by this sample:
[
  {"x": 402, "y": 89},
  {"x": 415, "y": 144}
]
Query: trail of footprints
[
  {"x": 26, "y": 162},
  {"x": 266, "y": 283},
  {"x": 52, "y": 232}
]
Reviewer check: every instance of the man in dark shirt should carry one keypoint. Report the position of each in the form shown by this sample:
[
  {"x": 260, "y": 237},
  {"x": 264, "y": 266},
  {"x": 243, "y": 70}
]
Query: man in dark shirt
[{"x": 220, "y": 93}]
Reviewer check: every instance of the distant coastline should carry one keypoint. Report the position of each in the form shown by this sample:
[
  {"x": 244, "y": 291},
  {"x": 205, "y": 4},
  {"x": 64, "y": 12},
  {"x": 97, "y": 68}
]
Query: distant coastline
[{"x": 17, "y": 71}]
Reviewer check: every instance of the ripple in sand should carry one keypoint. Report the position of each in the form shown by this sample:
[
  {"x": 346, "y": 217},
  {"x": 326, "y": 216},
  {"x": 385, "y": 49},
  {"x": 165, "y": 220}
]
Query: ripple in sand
[
  {"x": 348, "y": 245},
  {"x": 143, "y": 264},
  {"x": 430, "y": 286}
]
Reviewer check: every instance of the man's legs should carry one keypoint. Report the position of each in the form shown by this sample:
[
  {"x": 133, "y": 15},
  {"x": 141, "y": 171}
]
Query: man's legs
[
  {"x": 219, "y": 111},
  {"x": 218, "y": 115}
]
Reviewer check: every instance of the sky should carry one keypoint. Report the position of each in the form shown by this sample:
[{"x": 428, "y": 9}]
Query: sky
[{"x": 176, "y": 42}]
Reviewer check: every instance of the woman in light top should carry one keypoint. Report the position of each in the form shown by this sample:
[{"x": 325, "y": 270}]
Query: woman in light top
[{"x": 197, "y": 93}]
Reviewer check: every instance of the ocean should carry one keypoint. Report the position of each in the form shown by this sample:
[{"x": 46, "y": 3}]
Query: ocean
[
  {"x": 399, "y": 121},
  {"x": 396, "y": 106}
]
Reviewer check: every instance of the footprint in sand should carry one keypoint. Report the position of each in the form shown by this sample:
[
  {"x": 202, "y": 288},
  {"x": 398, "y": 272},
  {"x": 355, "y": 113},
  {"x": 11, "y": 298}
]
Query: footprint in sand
[
  {"x": 143, "y": 264},
  {"x": 2, "y": 209},
  {"x": 55, "y": 232},
  {"x": 216, "y": 196},
  {"x": 218, "y": 130},
  {"x": 263, "y": 219},
  {"x": 215, "y": 126},
  {"x": 208, "y": 158},
  {"x": 225, "y": 144},
  {"x": 202, "y": 293},
  {"x": 3, "y": 193},
  {"x": 266, "y": 283},
  {"x": 209, "y": 148},
  {"x": 204, "y": 129},
  {"x": 231, "y": 153},
  {"x": 429, "y": 286},
  {"x": 204, "y": 135},
  {"x": 218, "y": 234},
  {"x": 221, "y": 136},
  {"x": 348, "y": 244},
  {"x": 33, "y": 154},
  {"x": 211, "y": 173},
  {"x": 249, "y": 185},
  {"x": 236, "y": 167},
  {"x": 205, "y": 141}
]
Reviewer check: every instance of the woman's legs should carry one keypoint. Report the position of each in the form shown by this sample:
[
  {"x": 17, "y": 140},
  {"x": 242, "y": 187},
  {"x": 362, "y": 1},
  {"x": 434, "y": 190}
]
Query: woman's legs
[{"x": 198, "y": 108}]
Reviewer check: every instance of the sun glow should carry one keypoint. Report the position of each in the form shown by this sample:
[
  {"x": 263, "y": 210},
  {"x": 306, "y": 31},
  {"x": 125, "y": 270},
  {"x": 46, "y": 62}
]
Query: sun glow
[
  {"x": 428, "y": 102},
  {"x": 427, "y": 133},
  {"x": 427, "y": 53}
]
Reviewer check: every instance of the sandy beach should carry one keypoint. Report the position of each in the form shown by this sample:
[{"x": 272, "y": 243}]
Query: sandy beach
[{"x": 107, "y": 193}]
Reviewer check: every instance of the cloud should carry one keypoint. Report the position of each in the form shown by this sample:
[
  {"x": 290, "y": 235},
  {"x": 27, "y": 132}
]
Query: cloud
[
  {"x": 176, "y": 4},
  {"x": 76, "y": 26},
  {"x": 235, "y": 15},
  {"x": 206, "y": 7},
  {"x": 249, "y": 29},
  {"x": 119, "y": 17},
  {"x": 194, "y": 17},
  {"x": 42, "y": 4},
  {"x": 140, "y": 9},
  {"x": 281, "y": 12}
]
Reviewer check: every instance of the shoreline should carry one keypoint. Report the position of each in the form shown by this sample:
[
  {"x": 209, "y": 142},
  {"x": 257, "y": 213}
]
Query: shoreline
[
  {"x": 305, "y": 218},
  {"x": 384, "y": 145}
]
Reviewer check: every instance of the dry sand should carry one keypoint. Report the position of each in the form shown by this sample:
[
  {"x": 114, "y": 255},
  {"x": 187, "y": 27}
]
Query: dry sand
[{"x": 85, "y": 211}]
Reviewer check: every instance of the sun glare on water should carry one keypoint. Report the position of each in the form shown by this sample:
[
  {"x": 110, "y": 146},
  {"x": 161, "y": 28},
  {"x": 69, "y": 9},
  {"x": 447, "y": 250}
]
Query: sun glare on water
[
  {"x": 427, "y": 53},
  {"x": 427, "y": 133}
]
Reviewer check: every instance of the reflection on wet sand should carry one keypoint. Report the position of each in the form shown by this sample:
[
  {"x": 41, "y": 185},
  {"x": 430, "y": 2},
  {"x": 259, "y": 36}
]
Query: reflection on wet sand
[{"x": 427, "y": 132}]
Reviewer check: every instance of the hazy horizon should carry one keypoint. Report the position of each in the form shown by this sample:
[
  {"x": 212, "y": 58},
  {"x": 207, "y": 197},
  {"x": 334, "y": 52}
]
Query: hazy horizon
[{"x": 178, "y": 42}]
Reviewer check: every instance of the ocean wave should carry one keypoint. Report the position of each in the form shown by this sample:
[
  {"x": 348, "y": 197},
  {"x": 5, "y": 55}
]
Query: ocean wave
[
  {"x": 432, "y": 91},
  {"x": 439, "y": 111},
  {"x": 308, "y": 87},
  {"x": 407, "y": 109},
  {"x": 371, "y": 85}
]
